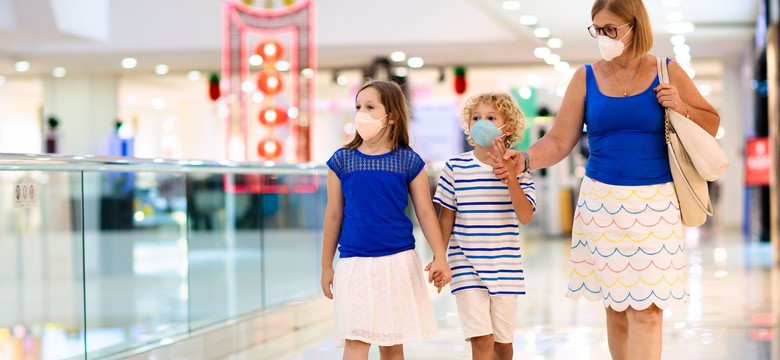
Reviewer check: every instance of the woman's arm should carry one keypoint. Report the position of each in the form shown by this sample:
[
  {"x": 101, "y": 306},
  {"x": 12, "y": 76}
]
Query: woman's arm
[
  {"x": 426, "y": 216},
  {"x": 334, "y": 214},
  {"x": 682, "y": 95},
  {"x": 560, "y": 140}
]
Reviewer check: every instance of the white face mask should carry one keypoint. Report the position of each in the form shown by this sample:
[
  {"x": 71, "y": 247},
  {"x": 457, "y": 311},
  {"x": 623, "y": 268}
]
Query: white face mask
[
  {"x": 611, "y": 48},
  {"x": 367, "y": 126}
]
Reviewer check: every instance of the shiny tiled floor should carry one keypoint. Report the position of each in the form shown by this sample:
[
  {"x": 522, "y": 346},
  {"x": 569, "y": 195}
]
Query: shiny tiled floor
[{"x": 733, "y": 311}]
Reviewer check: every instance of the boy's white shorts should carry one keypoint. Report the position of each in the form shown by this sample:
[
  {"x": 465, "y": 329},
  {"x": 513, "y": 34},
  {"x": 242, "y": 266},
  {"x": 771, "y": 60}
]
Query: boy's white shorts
[{"x": 482, "y": 314}]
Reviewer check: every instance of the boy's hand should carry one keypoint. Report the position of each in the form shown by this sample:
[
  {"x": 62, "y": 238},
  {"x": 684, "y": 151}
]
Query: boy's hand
[
  {"x": 504, "y": 161},
  {"x": 439, "y": 273}
]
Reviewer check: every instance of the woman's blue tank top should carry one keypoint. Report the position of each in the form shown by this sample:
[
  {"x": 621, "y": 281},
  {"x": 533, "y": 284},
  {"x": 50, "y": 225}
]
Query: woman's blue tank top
[{"x": 625, "y": 136}]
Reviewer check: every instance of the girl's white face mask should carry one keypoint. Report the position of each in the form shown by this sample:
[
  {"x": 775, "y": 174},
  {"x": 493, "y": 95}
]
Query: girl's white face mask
[
  {"x": 367, "y": 126},
  {"x": 612, "y": 48}
]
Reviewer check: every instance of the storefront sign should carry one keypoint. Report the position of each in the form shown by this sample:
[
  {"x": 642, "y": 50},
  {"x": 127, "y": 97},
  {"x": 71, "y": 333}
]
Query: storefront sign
[{"x": 757, "y": 162}]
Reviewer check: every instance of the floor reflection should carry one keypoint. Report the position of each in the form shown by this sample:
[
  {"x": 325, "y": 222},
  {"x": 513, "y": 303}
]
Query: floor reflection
[{"x": 732, "y": 314}]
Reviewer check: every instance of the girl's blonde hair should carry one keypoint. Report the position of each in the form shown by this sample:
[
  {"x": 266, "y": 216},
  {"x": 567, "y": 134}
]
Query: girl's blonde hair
[
  {"x": 394, "y": 101},
  {"x": 506, "y": 106},
  {"x": 635, "y": 13}
]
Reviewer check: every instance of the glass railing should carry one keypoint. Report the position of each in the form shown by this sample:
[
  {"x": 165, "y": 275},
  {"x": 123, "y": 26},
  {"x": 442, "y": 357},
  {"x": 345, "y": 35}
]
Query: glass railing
[{"x": 102, "y": 255}]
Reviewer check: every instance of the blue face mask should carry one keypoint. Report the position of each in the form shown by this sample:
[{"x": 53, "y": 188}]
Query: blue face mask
[{"x": 484, "y": 132}]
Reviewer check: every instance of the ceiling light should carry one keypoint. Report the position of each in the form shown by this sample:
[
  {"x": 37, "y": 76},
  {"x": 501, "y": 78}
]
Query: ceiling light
[
  {"x": 562, "y": 66},
  {"x": 307, "y": 73},
  {"x": 674, "y": 16},
  {"x": 554, "y": 43},
  {"x": 22, "y": 66},
  {"x": 129, "y": 63},
  {"x": 683, "y": 58},
  {"x": 526, "y": 93},
  {"x": 511, "y": 5},
  {"x": 194, "y": 75},
  {"x": 400, "y": 71},
  {"x": 398, "y": 56},
  {"x": 682, "y": 49},
  {"x": 542, "y": 32},
  {"x": 158, "y": 103},
  {"x": 542, "y": 52},
  {"x": 161, "y": 69},
  {"x": 529, "y": 20},
  {"x": 678, "y": 39},
  {"x": 672, "y": 3},
  {"x": 680, "y": 27},
  {"x": 552, "y": 59},
  {"x": 255, "y": 60},
  {"x": 416, "y": 62},
  {"x": 342, "y": 80},
  {"x": 282, "y": 65},
  {"x": 59, "y": 72}
]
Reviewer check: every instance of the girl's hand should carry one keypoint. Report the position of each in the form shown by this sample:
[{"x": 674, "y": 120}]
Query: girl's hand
[
  {"x": 669, "y": 97},
  {"x": 439, "y": 273},
  {"x": 326, "y": 281}
]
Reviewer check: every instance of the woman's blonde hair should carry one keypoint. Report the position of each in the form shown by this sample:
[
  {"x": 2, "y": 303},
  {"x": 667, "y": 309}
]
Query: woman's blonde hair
[
  {"x": 634, "y": 12},
  {"x": 506, "y": 106},
  {"x": 394, "y": 101}
]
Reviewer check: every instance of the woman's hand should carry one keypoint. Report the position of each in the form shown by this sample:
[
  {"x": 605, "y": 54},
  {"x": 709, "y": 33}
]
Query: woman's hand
[
  {"x": 669, "y": 97},
  {"x": 326, "y": 281},
  {"x": 506, "y": 162}
]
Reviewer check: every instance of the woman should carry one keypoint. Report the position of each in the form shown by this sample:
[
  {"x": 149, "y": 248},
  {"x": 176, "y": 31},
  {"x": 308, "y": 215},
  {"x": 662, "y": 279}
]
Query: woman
[{"x": 627, "y": 240}]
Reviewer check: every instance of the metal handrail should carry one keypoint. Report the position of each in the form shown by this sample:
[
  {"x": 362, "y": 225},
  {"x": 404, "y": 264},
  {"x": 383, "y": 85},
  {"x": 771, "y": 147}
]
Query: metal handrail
[{"x": 58, "y": 162}]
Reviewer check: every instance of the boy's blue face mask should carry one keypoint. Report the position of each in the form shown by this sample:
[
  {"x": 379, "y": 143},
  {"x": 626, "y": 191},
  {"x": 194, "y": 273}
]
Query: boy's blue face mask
[{"x": 484, "y": 132}]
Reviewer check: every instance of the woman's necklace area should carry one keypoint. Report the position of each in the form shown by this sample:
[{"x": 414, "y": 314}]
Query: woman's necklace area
[{"x": 633, "y": 81}]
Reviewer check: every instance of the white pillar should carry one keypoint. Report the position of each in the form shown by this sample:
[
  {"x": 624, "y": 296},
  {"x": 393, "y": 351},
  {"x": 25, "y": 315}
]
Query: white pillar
[{"x": 86, "y": 106}]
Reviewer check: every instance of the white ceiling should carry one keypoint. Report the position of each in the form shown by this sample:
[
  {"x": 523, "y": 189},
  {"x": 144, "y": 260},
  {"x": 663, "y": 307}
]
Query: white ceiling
[{"x": 186, "y": 33}]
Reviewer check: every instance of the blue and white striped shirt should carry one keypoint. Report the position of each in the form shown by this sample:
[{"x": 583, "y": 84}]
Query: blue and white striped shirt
[{"x": 484, "y": 248}]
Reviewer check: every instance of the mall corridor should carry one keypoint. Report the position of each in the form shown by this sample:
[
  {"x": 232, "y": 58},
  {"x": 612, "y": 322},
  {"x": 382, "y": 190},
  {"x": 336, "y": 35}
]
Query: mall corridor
[{"x": 735, "y": 297}]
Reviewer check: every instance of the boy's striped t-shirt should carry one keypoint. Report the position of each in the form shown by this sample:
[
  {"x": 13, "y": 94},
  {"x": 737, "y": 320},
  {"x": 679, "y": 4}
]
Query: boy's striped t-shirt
[{"x": 484, "y": 248}]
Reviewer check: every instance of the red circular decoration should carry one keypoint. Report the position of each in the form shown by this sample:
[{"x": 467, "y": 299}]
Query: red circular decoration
[
  {"x": 269, "y": 82},
  {"x": 272, "y": 116},
  {"x": 271, "y": 50},
  {"x": 269, "y": 148}
]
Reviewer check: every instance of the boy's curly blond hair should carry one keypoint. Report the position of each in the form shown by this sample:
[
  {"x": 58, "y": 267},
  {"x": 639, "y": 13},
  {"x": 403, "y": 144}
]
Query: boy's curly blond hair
[{"x": 506, "y": 106}]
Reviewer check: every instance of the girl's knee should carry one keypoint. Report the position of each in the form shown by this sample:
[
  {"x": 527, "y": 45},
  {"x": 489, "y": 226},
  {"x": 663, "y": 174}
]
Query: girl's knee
[
  {"x": 394, "y": 350},
  {"x": 651, "y": 316}
]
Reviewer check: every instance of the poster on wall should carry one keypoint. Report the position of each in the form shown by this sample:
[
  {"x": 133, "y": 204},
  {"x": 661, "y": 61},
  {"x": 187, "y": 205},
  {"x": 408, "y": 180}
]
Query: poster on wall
[{"x": 757, "y": 162}]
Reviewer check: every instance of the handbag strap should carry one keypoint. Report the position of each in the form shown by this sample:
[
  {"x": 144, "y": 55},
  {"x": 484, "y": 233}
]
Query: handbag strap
[{"x": 663, "y": 78}]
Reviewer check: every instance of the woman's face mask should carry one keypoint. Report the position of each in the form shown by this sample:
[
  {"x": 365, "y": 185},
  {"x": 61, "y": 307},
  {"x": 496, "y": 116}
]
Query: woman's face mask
[
  {"x": 611, "y": 48},
  {"x": 367, "y": 126},
  {"x": 484, "y": 132}
]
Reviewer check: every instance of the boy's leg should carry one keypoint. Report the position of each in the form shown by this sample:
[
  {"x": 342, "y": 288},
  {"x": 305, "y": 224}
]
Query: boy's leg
[
  {"x": 482, "y": 347},
  {"x": 355, "y": 350},
  {"x": 474, "y": 312},
  {"x": 395, "y": 352},
  {"x": 503, "y": 310}
]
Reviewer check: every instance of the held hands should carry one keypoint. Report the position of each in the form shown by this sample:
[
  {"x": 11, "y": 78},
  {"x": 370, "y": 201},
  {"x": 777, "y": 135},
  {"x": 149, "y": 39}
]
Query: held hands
[
  {"x": 439, "y": 272},
  {"x": 326, "y": 281},
  {"x": 669, "y": 97},
  {"x": 506, "y": 162}
]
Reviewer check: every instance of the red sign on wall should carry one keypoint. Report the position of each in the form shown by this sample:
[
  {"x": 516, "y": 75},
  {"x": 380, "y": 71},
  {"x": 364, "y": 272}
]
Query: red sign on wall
[{"x": 757, "y": 162}]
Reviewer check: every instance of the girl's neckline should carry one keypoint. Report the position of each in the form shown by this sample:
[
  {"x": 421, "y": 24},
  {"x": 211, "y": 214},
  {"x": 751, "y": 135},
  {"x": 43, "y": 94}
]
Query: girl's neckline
[{"x": 374, "y": 155}]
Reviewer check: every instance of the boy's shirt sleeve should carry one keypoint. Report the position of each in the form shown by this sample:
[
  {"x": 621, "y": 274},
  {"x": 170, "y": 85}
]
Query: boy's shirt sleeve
[
  {"x": 445, "y": 189},
  {"x": 526, "y": 181}
]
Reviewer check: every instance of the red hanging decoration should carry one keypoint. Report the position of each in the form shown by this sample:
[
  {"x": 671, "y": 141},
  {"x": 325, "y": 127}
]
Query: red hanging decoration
[
  {"x": 214, "y": 92},
  {"x": 272, "y": 116},
  {"x": 269, "y": 82},
  {"x": 271, "y": 50},
  {"x": 460, "y": 80},
  {"x": 269, "y": 148}
]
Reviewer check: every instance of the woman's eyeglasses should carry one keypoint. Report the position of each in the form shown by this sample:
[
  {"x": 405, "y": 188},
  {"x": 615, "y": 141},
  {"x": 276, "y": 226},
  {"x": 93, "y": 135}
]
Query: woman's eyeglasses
[{"x": 608, "y": 31}]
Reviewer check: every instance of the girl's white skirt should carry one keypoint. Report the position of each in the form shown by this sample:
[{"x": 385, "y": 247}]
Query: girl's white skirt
[
  {"x": 382, "y": 300},
  {"x": 628, "y": 247}
]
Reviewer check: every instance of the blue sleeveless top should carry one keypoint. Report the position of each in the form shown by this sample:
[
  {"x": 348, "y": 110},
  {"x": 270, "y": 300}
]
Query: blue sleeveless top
[
  {"x": 626, "y": 137},
  {"x": 376, "y": 195}
]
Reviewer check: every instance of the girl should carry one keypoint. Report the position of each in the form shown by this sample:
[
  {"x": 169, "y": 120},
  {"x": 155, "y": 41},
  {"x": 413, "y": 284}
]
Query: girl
[{"x": 378, "y": 287}]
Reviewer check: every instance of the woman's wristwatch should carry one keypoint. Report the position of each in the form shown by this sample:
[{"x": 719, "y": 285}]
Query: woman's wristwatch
[{"x": 527, "y": 161}]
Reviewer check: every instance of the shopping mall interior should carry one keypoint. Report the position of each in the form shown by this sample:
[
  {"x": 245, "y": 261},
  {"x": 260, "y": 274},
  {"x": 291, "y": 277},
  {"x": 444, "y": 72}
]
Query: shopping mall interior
[{"x": 162, "y": 166}]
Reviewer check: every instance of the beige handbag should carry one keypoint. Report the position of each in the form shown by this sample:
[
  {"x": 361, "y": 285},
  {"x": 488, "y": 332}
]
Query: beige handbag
[{"x": 694, "y": 158}]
